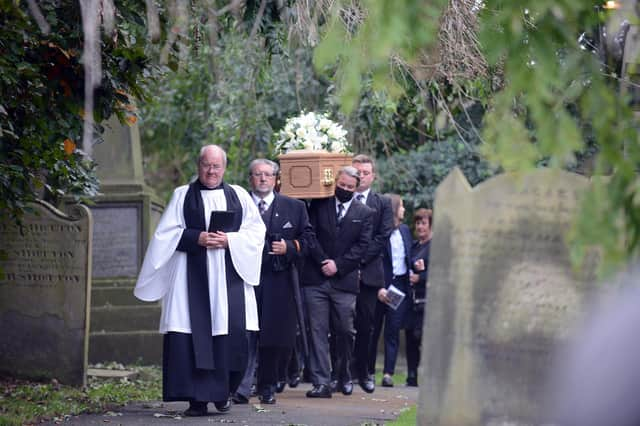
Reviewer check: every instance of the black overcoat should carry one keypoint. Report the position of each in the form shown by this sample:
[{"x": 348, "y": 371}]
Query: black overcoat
[{"x": 286, "y": 218}]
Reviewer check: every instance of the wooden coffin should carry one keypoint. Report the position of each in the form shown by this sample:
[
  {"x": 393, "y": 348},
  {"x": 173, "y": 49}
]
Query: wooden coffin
[{"x": 310, "y": 174}]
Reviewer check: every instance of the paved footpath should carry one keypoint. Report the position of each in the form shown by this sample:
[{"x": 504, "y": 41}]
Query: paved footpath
[{"x": 292, "y": 408}]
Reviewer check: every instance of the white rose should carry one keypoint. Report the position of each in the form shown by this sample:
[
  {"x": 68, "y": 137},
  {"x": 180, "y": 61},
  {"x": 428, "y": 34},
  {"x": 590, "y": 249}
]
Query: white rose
[
  {"x": 336, "y": 132},
  {"x": 325, "y": 124},
  {"x": 307, "y": 120},
  {"x": 301, "y": 133}
]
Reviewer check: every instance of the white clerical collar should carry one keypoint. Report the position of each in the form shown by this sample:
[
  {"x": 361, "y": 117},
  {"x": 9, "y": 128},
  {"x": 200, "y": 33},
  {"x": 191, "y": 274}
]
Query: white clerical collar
[{"x": 268, "y": 199}]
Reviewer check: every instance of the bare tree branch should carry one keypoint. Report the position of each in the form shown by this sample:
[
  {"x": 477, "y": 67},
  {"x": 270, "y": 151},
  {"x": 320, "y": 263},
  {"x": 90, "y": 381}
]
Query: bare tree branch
[
  {"x": 37, "y": 15},
  {"x": 258, "y": 20}
]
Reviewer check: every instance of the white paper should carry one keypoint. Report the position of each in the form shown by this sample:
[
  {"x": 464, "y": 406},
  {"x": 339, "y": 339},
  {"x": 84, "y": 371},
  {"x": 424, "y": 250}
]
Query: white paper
[{"x": 395, "y": 296}]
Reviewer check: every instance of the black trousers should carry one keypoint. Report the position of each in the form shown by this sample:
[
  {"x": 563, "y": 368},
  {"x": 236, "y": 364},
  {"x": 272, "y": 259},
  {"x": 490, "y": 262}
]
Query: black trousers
[
  {"x": 364, "y": 323},
  {"x": 378, "y": 321}
]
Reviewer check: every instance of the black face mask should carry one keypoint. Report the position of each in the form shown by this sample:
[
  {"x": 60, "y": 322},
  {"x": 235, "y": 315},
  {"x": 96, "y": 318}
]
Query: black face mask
[{"x": 343, "y": 195}]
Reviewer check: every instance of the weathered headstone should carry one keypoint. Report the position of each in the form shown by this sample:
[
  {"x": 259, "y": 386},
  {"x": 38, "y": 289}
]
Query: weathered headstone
[
  {"x": 502, "y": 297},
  {"x": 45, "y": 294},
  {"x": 125, "y": 215}
]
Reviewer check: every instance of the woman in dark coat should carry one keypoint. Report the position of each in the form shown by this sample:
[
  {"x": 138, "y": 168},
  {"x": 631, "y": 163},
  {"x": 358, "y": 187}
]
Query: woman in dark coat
[{"x": 418, "y": 279}]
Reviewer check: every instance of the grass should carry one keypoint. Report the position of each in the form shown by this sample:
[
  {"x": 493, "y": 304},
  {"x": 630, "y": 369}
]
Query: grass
[
  {"x": 408, "y": 417},
  {"x": 24, "y": 402}
]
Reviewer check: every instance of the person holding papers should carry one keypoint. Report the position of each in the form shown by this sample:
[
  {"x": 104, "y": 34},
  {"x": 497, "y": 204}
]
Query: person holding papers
[{"x": 397, "y": 266}]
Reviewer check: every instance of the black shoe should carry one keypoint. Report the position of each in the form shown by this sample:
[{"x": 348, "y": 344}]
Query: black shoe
[
  {"x": 387, "y": 381},
  {"x": 294, "y": 381},
  {"x": 280, "y": 386},
  {"x": 367, "y": 384},
  {"x": 267, "y": 398},
  {"x": 412, "y": 378},
  {"x": 346, "y": 388},
  {"x": 333, "y": 386},
  {"x": 319, "y": 391},
  {"x": 196, "y": 409},
  {"x": 223, "y": 406},
  {"x": 239, "y": 399}
]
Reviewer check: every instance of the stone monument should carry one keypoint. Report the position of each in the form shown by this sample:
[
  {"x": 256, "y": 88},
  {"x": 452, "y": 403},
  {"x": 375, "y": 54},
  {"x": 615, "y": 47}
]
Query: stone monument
[
  {"x": 502, "y": 297},
  {"x": 125, "y": 215},
  {"x": 45, "y": 294}
]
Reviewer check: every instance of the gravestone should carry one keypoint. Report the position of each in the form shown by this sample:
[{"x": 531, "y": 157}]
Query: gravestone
[
  {"x": 125, "y": 215},
  {"x": 502, "y": 297},
  {"x": 45, "y": 293}
]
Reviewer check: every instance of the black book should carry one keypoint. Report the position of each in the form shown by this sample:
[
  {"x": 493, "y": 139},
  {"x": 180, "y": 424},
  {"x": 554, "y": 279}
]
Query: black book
[{"x": 221, "y": 220}]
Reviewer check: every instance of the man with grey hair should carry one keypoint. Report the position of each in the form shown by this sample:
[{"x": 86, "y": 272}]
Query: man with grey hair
[
  {"x": 203, "y": 262},
  {"x": 286, "y": 241},
  {"x": 330, "y": 280}
]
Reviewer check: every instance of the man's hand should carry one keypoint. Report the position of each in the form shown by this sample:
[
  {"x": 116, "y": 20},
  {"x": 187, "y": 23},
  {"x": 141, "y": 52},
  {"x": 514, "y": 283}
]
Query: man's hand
[
  {"x": 413, "y": 278},
  {"x": 213, "y": 239},
  {"x": 278, "y": 247},
  {"x": 382, "y": 295},
  {"x": 220, "y": 240},
  {"x": 329, "y": 267},
  {"x": 419, "y": 265}
]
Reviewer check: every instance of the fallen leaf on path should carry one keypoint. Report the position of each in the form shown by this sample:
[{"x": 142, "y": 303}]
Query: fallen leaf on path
[{"x": 159, "y": 415}]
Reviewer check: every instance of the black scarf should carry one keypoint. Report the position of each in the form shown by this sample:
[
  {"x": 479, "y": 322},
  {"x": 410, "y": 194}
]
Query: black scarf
[{"x": 197, "y": 280}]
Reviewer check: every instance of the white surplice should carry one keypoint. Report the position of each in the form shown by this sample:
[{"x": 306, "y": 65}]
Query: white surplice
[{"x": 164, "y": 269}]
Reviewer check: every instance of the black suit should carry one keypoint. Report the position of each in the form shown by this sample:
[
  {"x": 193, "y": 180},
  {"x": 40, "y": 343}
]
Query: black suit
[
  {"x": 331, "y": 300},
  {"x": 285, "y": 219},
  {"x": 371, "y": 279}
]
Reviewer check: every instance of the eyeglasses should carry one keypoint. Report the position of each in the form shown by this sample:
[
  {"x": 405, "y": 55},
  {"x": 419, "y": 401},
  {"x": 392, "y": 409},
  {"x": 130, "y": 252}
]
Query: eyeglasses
[
  {"x": 263, "y": 174},
  {"x": 211, "y": 166}
]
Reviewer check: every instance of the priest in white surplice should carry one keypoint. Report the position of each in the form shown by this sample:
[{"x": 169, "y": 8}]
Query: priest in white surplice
[{"x": 205, "y": 280}]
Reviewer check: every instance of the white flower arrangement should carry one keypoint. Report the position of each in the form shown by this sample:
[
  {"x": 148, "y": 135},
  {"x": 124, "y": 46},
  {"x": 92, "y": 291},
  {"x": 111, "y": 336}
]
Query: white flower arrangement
[{"x": 311, "y": 131}]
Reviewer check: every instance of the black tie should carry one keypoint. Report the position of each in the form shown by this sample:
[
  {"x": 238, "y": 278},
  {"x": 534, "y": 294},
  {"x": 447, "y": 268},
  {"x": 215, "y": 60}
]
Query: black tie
[
  {"x": 340, "y": 211},
  {"x": 360, "y": 197},
  {"x": 262, "y": 206}
]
